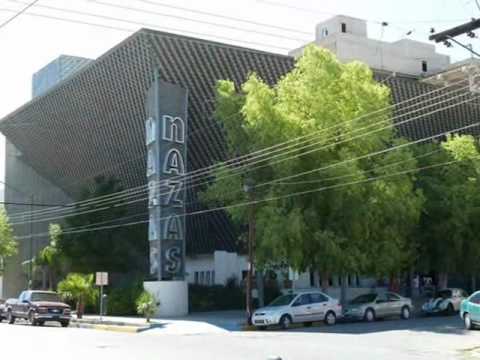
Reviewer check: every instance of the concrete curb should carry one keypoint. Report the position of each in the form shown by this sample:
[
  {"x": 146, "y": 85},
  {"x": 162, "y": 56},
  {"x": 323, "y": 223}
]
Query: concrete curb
[{"x": 123, "y": 328}]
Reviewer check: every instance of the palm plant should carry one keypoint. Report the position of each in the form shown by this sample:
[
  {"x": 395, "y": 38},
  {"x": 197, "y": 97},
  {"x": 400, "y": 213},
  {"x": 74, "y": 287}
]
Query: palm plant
[
  {"x": 146, "y": 305},
  {"x": 78, "y": 288}
]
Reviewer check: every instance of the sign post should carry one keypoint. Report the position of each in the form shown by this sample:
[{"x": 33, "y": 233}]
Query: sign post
[{"x": 101, "y": 279}]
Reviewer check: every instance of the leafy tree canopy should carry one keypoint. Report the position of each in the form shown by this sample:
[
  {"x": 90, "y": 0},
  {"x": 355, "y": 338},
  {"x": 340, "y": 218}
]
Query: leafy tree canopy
[
  {"x": 8, "y": 244},
  {"x": 362, "y": 227}
]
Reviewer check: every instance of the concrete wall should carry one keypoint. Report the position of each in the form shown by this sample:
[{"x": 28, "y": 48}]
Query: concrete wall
[
  {"x": 403, "y": 56},
  {"x": 223, "y": 265},
  {"x": 23, "y": 178}
]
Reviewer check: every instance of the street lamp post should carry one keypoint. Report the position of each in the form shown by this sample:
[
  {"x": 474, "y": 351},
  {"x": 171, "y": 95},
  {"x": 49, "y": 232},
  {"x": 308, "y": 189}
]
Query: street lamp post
[{"x": 248, "y": 187}]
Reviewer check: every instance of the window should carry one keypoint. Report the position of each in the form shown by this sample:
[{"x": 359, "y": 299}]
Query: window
[
  {"x": 392, "y": 297},
  {"x": 202, "y": 277},
  {"x": 344, "y": 28},
  {"x": 302, "y": 300},
  {"x": 475, "y": 299},
  {"x": 324, "y": 32},
  {"x": 213, "y": 277},
  {"x": 318, "y": 298},
  {"x": 196, "y": 277},
  {"x": 207, "y": 279},
  {"x": 424, "y": 66}
]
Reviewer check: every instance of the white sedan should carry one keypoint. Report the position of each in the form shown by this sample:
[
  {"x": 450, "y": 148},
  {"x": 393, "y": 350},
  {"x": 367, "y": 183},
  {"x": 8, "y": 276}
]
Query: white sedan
[
  {"x": 298, "y": 307},
  {"x": 445, "y": 301}
]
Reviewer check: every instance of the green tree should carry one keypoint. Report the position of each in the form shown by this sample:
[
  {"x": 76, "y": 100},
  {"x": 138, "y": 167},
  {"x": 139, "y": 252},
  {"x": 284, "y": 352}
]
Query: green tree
[
  {"x": 8, "y": 244},
  {"x": 121, "y": 249},
  {"x": 448, "y": 238},
  {"x": 78, "y": 288},
  {"x": 362, "y": 228},
  {"x": 50, "y": 258}
]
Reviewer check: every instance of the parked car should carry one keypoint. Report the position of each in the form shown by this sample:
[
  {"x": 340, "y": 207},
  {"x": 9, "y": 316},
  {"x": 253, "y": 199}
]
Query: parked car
[
  {"x": 372, "y": 306},
  {"x": 446, "y": 301},
  {"x": 470, "y": 311},
  {"x": 3, "y": 313},
  {"x": 38, "y": 307},
  {"x": 298, "y": 307}
]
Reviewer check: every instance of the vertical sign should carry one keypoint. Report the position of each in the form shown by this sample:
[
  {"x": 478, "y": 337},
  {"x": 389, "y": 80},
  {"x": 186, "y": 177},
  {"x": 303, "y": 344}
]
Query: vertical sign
[{"x": 166, "y": 130}]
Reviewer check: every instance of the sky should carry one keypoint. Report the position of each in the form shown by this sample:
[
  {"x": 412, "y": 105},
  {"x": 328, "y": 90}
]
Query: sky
[{"x": 51, "y": 28}]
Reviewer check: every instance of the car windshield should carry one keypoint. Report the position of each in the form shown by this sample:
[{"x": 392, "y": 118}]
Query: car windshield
[
  {"x": 283, "y": 300},
  {"x": 40, "y": 296},
  {"x": 445, "y": 294},
  {"x": 364, "y": 299}
]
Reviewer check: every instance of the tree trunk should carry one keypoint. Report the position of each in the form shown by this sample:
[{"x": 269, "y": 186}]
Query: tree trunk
[
  {"x": 343, "y": 290},
  {"x": 325, "y": 282},
  {"x": 44, "y": 278},
  {"x": 260, "y": 288},
  {"x": 80, "y": 308},
  {"x": 442, "y": 280}
]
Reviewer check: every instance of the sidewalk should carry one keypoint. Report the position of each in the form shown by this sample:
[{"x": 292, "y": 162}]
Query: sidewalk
[{"x": 196, "y": 323}]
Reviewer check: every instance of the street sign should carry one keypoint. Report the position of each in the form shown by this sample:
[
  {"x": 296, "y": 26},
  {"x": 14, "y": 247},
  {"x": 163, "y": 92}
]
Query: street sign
[{"x": 101, "y": 279}]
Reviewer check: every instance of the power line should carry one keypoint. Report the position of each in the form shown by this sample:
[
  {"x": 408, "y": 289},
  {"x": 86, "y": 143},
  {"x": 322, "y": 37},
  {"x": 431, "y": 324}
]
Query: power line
[
  {"x": 232, "y": 18},
  {"x": 22, "y": 11},
  {"x": 132, "y": 192},
  {"x": 163, "y": 28},
  {"x": 299, "y": 174},
  {"x": 275, "y": 198},
  {"x": 198, "y": 21}
]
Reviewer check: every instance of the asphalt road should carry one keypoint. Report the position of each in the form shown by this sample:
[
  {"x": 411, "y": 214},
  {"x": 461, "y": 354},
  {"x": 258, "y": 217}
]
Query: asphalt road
[{"x": 424, "y": 338}]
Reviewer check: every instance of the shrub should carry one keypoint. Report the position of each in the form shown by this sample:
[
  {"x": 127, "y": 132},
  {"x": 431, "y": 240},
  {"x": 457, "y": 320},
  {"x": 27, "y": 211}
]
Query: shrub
[
  {"x": 121, "y": 300},
  {"x": 146, "y": 305},
  {"x": 216, "y": 297}
]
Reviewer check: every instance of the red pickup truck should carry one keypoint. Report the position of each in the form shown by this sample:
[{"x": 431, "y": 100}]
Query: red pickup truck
[{"x": 37, "y": 307}]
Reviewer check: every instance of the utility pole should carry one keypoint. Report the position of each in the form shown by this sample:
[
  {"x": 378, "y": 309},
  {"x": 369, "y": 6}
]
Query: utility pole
[
  {"x": 248, "y": 187},
  {"x": 448, "y": 36}
]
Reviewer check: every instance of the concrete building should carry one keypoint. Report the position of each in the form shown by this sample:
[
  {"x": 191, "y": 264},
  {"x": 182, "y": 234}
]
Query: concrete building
[
  {"x": 347, "y": 38},
  {"x": 55, "y": 72},
  {"x": 93, "y": 123}
]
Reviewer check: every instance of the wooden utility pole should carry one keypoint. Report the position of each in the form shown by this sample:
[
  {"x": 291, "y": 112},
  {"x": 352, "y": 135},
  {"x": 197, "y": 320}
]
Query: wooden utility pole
[{"x": 249, "y": 189}]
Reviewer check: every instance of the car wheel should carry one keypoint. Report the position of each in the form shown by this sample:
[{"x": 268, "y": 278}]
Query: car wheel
[
  {"x": 450, "y": 309},
  {"x": 285, "y": 321},
  {"x": 405, "y": 314},
  {"x": 65, "y": 323},
  {"x": 467, "y": 321},
  {"x": 41, "y": 323},
  {"x": 31, "y": 319},
  {"x": 369, "y": 315},
  {"x": 10, "y": 317},
  {"x": 330, "y": 318}
]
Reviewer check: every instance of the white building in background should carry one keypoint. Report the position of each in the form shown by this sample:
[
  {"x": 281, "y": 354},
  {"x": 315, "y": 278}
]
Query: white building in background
[{"x": 347, "y": 38}]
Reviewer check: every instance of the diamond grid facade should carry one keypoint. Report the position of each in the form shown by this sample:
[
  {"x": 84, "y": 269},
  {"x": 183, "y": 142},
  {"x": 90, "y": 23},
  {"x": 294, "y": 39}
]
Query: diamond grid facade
[{"x": 93, "y": 123}]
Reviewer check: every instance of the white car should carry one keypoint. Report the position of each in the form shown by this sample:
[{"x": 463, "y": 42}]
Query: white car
[
  {"x": 445, "y": 301},
  {"x": 298, "y": 307}
]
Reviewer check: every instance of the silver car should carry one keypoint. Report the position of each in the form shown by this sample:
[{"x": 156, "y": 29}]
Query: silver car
[
  {"x": 298, "y": 307},
  {"x": 372, "y": 306}
]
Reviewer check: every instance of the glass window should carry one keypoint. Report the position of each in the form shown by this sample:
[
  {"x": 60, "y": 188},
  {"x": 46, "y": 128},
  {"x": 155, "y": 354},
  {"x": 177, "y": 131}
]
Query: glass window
[
  {"x": 392, "y": 297},
  {"x": 213, "y": 277},
  {"x": 202, "y": 277},
  {"x": 318, "y": 298},
  {"x": 302, "y": 300},
  {"x": 207, "y": 279},
  {"x": 196, "y": 277},
  {"x": 475, "y": 298},
  {"x": 283, "y": 300},
  {"x": 364, "y": 299},
  {"x": 45, "y": 296}
]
